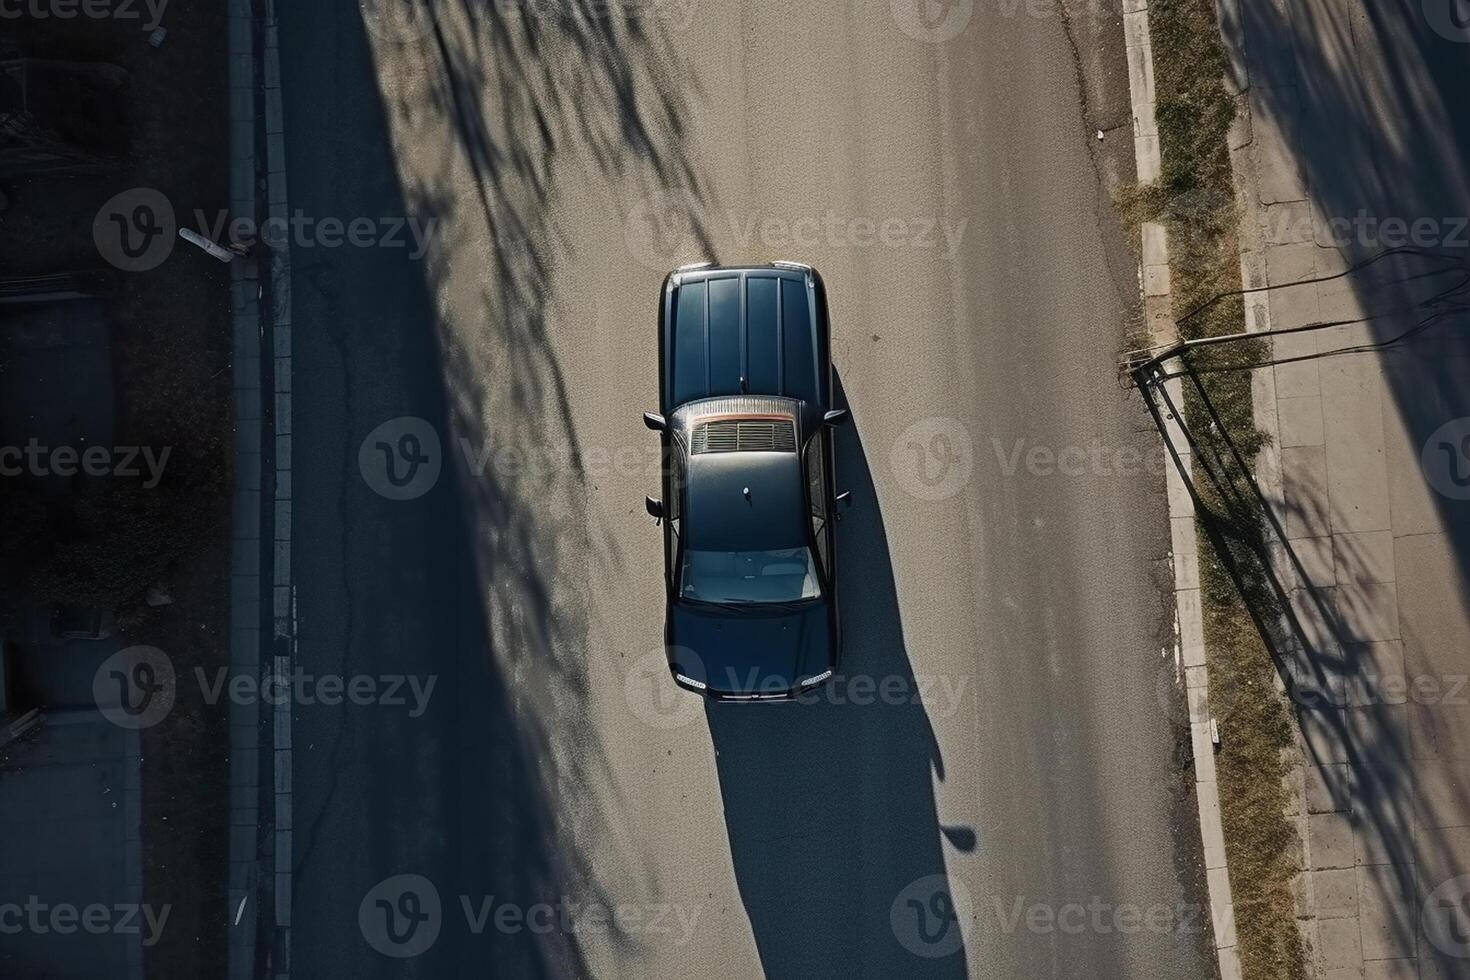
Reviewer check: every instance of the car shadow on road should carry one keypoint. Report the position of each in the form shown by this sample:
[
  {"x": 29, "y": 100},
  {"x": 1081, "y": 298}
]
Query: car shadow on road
[{"x": 829, "y": 803}]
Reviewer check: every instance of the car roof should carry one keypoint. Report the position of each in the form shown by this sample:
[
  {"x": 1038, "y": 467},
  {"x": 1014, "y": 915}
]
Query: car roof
[
  {"x": 737, "y": 330},
  {"x": 744, "y": 501}
]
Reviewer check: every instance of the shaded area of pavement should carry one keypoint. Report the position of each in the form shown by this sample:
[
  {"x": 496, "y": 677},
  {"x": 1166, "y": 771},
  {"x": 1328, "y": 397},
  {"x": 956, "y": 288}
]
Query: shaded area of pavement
[
  {"x": 568, "y": 164},
  {"x": 1360, "y": 135},
  {"x": 829, "y": 803},
  {"x": 395, "y": 587},
  {"x": 70, "y": 830}
]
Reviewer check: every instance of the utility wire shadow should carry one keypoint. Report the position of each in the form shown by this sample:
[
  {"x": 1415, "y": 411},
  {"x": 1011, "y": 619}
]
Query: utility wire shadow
[{"x": 1350, "y": 713}]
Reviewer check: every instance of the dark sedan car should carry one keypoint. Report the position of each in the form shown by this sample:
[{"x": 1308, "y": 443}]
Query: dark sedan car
[{"x": 748, "y": 508}]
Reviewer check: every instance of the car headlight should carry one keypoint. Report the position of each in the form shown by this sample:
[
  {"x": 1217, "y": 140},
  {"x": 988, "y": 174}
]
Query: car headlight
[
  {"x": 817, "y": 679},
  {"x": 697, "y": 685}
]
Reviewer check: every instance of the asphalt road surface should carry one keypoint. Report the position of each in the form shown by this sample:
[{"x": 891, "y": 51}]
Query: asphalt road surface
[{"x": 995, "y": 787}]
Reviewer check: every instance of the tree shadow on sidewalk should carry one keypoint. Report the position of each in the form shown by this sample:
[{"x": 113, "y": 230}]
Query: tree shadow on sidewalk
[
  {"x": 1369, "y": 99},
  {"x": 1340, "y": 684}
]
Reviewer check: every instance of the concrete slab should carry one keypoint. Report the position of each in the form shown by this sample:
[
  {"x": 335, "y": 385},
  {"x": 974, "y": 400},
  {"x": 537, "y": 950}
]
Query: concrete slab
[
  {"x": 1386, "y": 911},
  {"x": 1442, "y": 797},
  {"x": 1278, "y": 178},
  {"x": 1314, "y": 556},
  {"x": 1363, "y": 557},
  {"x": 1299, "y": 421},
  {"x": 1329, "y": 841},
  {"x": 1338, "y": 944},
  {"x": 1431, "y": 597},
  {"x": 1375, "y": 674},
  {"x": 63, "y": 839},
  {"x": 1327, "y": 788},
  {"x": 1356, "y": 466},
  {"x": 1366, "y": 612},
  {"x": 1335, "y": 892},
  {"x": 1304, "y": 482}
]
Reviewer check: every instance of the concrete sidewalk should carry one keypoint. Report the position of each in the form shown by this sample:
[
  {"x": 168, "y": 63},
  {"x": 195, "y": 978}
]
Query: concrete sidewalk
[
  {"x": 70, "y": 840},
  {"x": 1346, "y": 123}
]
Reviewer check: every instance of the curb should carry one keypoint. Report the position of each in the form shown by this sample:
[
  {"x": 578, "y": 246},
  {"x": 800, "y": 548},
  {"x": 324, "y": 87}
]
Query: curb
[
  {"x": 283, "y": 590},
  {"x": 243, "y": 884},
  {"x": 260, "y": 842},
  {"x": 1189, "y": 640}
]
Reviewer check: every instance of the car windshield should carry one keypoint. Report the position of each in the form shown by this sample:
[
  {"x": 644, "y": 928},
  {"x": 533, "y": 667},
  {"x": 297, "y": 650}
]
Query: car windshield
[{"x": 783, "y": 575}]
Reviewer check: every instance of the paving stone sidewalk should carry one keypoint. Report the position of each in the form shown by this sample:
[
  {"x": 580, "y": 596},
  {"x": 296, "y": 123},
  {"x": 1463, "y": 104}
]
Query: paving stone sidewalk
[{"x": 1370, "y": 506}]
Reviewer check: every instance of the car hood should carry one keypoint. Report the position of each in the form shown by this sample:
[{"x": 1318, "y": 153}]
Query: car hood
[{"x": 749, "y": 652}]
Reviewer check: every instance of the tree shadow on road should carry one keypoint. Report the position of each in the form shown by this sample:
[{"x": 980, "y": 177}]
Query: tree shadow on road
[
  {"x": 829, "y": 803},
  {"x": 484, "y": 115},
  {"x": 481, "y": 583}
]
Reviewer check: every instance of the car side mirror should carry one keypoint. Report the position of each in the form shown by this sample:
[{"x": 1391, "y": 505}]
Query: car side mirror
[
  {"x": 837, "y": 416},
  {"x": 844, "y": 500},
  {"x": 655, "y": 509},
  {"x": 654, "y": 421}
]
